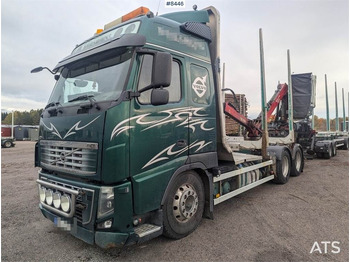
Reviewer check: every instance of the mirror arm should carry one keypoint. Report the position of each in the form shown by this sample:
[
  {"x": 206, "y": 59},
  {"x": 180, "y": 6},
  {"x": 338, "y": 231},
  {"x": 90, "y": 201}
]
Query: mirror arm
[
  {"x": 49, "y": 70},
  {"x": 145, "y": 88}
]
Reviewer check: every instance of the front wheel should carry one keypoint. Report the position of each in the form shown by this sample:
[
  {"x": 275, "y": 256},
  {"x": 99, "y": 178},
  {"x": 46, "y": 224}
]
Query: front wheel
[{"x": 184, "y": 205}]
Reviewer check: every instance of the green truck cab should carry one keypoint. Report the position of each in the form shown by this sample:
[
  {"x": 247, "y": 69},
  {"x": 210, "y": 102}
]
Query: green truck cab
[{"x": 131, "y": 142}]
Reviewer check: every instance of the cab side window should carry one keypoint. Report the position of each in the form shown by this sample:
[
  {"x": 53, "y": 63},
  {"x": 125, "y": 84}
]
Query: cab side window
[{"x": 145, "y": 78}]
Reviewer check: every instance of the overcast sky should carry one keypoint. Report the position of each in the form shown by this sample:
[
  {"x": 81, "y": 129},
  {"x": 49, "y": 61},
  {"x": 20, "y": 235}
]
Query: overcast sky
[{"x": 42, "y": 32}]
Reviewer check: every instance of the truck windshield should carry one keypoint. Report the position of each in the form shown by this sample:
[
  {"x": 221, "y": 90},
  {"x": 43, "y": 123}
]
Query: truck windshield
[{"x": 101, "y": 77}]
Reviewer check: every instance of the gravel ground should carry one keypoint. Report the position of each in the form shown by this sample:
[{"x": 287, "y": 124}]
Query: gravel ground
[{"x": 269, "y": 223}]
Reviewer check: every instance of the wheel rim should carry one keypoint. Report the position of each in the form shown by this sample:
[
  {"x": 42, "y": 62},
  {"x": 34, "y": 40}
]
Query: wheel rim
[
  {"x": 298, "y": 161},
  {"x": 285, "y": 166},
  {"x": 7, "y": 144},
  {"x": 185, "y": 204}
]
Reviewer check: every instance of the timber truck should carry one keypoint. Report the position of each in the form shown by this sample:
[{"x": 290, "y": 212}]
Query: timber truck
[{"x": 132, "y": 142}]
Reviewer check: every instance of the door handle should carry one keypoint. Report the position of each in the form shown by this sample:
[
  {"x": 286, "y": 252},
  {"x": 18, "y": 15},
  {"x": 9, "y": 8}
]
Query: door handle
[{"x": 181, "y": 143}]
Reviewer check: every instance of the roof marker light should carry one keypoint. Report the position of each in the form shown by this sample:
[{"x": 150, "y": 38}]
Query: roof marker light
[{"x": 137, "y": 12}]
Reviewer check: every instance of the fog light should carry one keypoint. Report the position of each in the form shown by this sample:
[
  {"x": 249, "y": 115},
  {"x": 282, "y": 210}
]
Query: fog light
[
  {"x": 49, "y": 196},
  {"x": 65, "y": 203},
  {"x": 57, "y": 200},
  {"x": 106, "y": 224},
  {"x": 42, "y": 193}
]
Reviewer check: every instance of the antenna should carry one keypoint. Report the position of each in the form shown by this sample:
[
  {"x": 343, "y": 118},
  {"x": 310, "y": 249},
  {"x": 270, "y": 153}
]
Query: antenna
[{"x": 158, "y": 8}]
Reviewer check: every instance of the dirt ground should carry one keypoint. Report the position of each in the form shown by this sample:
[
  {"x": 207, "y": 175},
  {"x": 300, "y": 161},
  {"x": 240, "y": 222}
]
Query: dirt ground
[{"x": 269, "y": 223}]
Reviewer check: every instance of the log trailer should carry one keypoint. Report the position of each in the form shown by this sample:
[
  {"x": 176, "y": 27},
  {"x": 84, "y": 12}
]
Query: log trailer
[
  {"x": 320, "y": 144},
  {"x": 326, "y": 143},
  {"x": 132, "y": 143}
]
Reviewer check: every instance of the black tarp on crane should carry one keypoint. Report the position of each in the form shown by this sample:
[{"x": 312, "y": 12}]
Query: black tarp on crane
[{"x": 303, "y": 95}]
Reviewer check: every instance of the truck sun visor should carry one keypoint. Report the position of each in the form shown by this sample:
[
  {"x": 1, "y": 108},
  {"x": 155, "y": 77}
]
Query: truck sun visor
[{"x": 126, "y": 40}]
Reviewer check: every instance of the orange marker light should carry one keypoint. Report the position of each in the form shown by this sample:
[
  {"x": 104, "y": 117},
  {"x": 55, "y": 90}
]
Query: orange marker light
[
  {"x": 137, "y": 12},
  {"x": 99, "y": 31}
]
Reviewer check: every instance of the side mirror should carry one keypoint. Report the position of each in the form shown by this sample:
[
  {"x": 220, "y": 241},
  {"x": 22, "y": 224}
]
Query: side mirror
[
  {"x": 37, "y": 69},
  {"x": 159, "y": 96},
  {"x": 161, "y": 71}
]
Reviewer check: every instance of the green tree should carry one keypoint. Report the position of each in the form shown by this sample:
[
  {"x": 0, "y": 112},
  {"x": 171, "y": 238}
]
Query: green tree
[{"x": 24, "y": 118}]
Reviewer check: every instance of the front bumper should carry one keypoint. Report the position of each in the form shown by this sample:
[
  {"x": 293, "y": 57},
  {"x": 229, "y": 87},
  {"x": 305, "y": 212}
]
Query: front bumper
[{"x": 100, "y": 238}]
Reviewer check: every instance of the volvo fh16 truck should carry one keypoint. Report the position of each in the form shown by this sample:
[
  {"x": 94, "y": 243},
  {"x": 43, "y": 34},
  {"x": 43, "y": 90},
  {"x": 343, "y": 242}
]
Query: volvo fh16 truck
[{"x": 132, "y": 141}]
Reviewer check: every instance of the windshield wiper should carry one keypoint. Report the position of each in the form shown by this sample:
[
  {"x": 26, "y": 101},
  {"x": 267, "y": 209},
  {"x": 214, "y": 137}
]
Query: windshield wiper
[
  {"x": 86, "y": 97},
  {"x": 52, "y": 104},
  {"x": 83, "y": 97},
  {"x": 54, "y": 111}
]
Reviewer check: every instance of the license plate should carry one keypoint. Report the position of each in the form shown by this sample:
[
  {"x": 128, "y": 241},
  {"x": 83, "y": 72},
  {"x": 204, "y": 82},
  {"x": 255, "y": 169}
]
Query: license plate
[{"x": 61, "y": 223}]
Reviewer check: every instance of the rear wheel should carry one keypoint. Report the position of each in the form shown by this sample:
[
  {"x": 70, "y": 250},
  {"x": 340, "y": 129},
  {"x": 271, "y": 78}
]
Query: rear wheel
[
  {"x": 184, "y": 205},
  {"x": 297, "y": 163},
  {"x": 283, "y": 168}
]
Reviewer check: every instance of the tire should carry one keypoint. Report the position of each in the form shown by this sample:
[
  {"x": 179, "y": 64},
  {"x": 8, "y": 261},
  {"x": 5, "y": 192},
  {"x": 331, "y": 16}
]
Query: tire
[
  {"x": 329, "y": 154},
  {"x": 283, "y": 168},
  {"x": 184, "y": 205},
  {"x": 319, "y": 155},
  {"x": 346, "y": 144},
  {"x": 7, "y": 144},
  {"x": 334, "y": 150},
  {"x": 297, "y": 163}
]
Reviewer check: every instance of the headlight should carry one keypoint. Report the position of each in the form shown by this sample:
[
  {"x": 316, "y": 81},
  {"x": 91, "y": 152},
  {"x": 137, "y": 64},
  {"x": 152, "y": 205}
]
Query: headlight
[
  {"x": 49, "y": 196},
  {"x": 65, "y": 203},
  {"x": 106, "y": 201},
  {"x": 57, "y": 200},
  {"x": 42, "y": 193}
]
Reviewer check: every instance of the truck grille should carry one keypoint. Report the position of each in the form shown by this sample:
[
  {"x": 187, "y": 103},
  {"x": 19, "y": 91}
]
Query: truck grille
[{"x": 70, "y": 157}]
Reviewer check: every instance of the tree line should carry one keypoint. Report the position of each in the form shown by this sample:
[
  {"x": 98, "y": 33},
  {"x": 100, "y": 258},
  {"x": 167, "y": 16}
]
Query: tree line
[
  {"x": 22, "y": 118},
  {"x": 321, "y": 123}
]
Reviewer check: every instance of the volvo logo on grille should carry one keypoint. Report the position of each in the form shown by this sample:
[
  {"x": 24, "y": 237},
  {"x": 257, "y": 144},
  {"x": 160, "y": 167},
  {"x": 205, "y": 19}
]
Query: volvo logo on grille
[{"x": 63, "y": 157}]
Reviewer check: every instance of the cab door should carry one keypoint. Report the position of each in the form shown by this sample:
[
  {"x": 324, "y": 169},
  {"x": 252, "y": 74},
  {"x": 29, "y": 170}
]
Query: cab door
[
  {"x": 202, "y": 125},
  {"x": 158, "y": 135}
]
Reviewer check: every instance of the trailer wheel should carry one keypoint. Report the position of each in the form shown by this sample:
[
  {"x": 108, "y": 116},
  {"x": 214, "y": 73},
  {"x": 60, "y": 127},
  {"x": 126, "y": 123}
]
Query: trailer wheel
[
  {"x": 319, "y": 155},
  {"x": 283, "y": 168},
  {"x": 346, "y": 144},
  {"x": 298, "y": 163},
  {"x": 7, "y": 144},
  {"x": 329, "y": 154},
  {"x": 184, "y": 205},
  {"x": 334, "y": 150}
]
